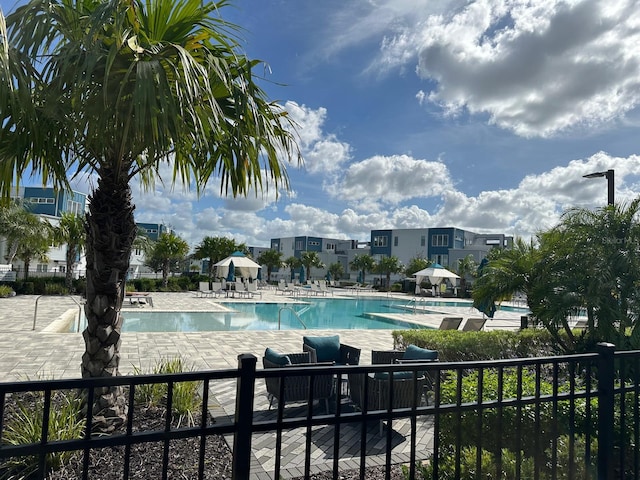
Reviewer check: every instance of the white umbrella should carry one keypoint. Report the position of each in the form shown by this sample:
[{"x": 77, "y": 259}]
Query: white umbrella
[
  {"x": 243, "y": 265},
  {"x": 435, "y": 273}
]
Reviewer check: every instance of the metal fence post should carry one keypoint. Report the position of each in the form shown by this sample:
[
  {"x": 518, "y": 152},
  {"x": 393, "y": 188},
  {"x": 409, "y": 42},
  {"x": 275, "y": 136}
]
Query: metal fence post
[
  {"x": 241, "y": 466},
  {"x": 606, "y": 373}
]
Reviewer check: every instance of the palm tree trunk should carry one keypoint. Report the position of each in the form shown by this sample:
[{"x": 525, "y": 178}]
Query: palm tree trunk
[
  {"x": 111, "y": 231},
  {"x": 27, "y": 264},
  {"x": 71, "y": 257},
  {"x": 165, "y": 273}
]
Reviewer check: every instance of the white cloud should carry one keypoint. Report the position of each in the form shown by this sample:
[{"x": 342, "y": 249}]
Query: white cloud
[
  {"x": 322, "y": 153},
  {"x": 381, "y": 180},
  {"x": 535, "y": 68}
]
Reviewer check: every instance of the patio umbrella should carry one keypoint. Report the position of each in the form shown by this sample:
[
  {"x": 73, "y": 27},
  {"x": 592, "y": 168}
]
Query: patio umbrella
[
  {"x": 259, "y": 274},
  {"x": 231, "y": 275},
  {"x": 327, "y": 277},
  {"x": 302, "y": 278}
]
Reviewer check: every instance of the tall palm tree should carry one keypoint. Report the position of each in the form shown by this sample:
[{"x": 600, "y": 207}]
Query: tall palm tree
[
  {"x": 336, "y": 270},
  {"x": 215, "y": 249},
  {"x": 168, "y": 249},
  {"x": 35, "y": 243},
  {"x": 120, "y": 88},
  {"x": 466, "y": 267},
  {"x": 387, "y": 266},
  {"x": 362, "y": 263},
  {"x": 310, "y": 259},
  {"x": 272, "y": 259},
  {"x": 292, "y": 263},
  {"x": 71, "y": 232}
]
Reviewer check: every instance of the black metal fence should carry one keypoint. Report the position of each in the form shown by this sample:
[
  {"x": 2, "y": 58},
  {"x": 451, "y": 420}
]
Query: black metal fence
[{"x": 565, "y": 417}]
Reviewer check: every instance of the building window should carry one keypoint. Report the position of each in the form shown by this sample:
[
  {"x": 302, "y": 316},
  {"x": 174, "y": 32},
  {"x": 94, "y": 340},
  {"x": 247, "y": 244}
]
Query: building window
[
  {"x": 379, "y": 241},
  {"x": 423, "y": 240},
  {"x": 314, "y": 243},
  {"x": 442, "y": 259},
  {"x": 395, "y": 241},
  {"x": 42, "y": 267},
  {"x": 299, "y": 244},
  {"x": 331, "y": 246},
  {"x": 440, "y": 240},
  {"x": 138, "y": 251}
]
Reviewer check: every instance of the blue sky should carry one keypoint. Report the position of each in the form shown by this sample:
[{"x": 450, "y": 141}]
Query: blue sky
[{"x": 482, "y": 115}]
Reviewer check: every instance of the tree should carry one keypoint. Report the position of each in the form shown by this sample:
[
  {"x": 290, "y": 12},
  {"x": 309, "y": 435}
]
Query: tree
[
  {"x": 387, "y": 266},
  {"x": 292, "y": 263},
  {"x": 466, "y": 267},
  {"x": 590, "y": 262},
  {"x": 215, "y": 249},
  {"x": 506, "y": 272},
  {"x": 14, "y": 218},
  {"x": 71, "y": 232},
  {"x": 310, "y": 259},
  {"x": 336, "y": 270},
  {"x": 272, "y": 259},
  {"x": 35, "y": 243},
  {"x": 363, "y": 263},
  {"x": 169, "y": 249},
  {"x": 120, "y": 89},
  {"x": 415, "y": 265}
]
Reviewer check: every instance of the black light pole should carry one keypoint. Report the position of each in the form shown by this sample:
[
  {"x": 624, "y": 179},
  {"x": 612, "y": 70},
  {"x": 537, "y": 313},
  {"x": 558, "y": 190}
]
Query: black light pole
[{"x": 610, "y": 183}]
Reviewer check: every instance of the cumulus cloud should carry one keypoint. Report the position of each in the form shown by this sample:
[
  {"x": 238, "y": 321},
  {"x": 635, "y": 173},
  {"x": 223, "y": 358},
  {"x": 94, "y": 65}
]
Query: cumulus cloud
[
  {"x": 322, "y": 152},
  {"x": 536, "y": 68},
  {"x": 382, "y": 180}
]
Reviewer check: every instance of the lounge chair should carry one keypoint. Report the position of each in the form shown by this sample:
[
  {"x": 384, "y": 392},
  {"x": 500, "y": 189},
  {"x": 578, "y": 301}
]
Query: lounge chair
[
  {"x": 204, "y": 290},
  {"x": 407, "y": 387},
  {"x": 329, "y": 349},
  {"x": 450, "y": 323},
  {"x": 473, "y": 324},
  {"x": 252, "y": 289},
  {"x": 296, "y": 388}
]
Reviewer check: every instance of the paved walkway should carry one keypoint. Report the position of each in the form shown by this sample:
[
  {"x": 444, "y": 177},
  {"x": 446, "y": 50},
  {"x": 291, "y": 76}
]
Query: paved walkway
[{"x": 45, "y": 352}]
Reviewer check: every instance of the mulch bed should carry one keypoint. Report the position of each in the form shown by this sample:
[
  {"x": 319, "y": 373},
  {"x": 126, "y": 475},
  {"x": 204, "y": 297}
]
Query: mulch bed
[{"x": 146, "y": 458}]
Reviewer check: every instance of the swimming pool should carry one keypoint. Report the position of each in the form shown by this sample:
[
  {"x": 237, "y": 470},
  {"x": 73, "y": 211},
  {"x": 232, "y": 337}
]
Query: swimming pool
[{"x": 316, "y": 314}]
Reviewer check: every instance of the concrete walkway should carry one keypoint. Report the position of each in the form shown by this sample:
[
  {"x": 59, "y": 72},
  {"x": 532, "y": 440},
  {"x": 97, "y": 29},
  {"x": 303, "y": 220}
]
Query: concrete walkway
[{"x": 47, "y": 352}]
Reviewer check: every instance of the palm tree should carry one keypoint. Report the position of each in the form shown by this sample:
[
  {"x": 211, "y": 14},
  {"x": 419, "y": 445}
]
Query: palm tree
[
  {"x": 272, "y": 259},
  {"x": 215, "y": 249},
  {"x": 120, "y": 89},
  {"x": 336, "y": 270},
  {"x": 292, "y": 263},
  {"x": 387, "y": 266},
  {"x": 71, "y": 231},
  {"x": 35, "y": 243},
  {"x": 310, "y": 259},
  {"x": 415, "y": 265},
  {"x": 168, "y": 250},
  {"x": 362, "y": 263},
  {"x": 466, "y": 267}
]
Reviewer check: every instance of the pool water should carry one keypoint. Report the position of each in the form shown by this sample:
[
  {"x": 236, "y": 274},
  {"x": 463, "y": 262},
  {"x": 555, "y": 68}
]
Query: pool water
[{"x": 315, "y": 314}]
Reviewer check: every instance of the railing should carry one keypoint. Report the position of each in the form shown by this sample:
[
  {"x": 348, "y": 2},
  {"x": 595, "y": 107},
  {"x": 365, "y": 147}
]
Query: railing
[
  {"x": 295, "y": 314},
  {"x": 35, "y": 310},
  {"x": 523, "y": 418}
]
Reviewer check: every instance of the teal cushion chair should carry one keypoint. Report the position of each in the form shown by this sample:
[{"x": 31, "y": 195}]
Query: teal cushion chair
[
  {"x": 405, "y": 391},
  {"x": 296, "y": 388},
  {"x": 329, "y": 349}
]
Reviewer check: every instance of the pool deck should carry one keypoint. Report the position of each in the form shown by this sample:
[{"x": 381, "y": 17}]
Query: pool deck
[{"x": 26, "y": 354}]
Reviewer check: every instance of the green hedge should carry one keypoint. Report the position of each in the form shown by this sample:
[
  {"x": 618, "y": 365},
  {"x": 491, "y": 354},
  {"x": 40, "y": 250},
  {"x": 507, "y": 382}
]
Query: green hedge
[{"x": 458, "y": 346}]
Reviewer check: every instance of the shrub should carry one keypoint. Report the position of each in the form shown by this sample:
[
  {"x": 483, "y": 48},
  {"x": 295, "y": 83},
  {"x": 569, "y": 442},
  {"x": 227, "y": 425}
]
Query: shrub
[
  {"x": 185, "y": 400},
  {"x": 396, "y": 287},
  {"x": 458, "y": 346},
  {"x": 55, "y": 289},
  {"x": 5, "y": 291},
  {"x": 24, "y": 426}
]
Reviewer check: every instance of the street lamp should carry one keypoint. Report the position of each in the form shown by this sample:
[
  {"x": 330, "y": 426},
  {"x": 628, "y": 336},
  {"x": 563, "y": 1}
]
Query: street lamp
[{"x": 610, "y": 185}]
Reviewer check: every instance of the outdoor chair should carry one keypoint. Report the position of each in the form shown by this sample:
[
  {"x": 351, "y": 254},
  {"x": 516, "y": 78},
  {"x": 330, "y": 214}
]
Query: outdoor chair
[
  {"x": 204, "y": 290},
  {"x": 450, "y": 323},
  {"x": 405, "y": 391},
  {"x": 252, "y": 289},
  {"x": 473, "y": 324},
  {"x": 329, "y": 349},
  {"x": 296, "y": 388}
]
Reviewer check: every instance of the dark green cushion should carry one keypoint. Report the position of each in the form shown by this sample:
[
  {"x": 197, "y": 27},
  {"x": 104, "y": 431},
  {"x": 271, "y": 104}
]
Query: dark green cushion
[
  {"x": 277, "y": 358},
  {"x": 327, "y": 348},
  {"x": 417, "y": 353},
  {"x": 396, "y": 375}
]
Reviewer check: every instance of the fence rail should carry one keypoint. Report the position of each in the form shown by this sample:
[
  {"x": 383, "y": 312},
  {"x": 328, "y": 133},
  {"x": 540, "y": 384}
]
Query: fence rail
[{"x": 570, "y": 417}]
